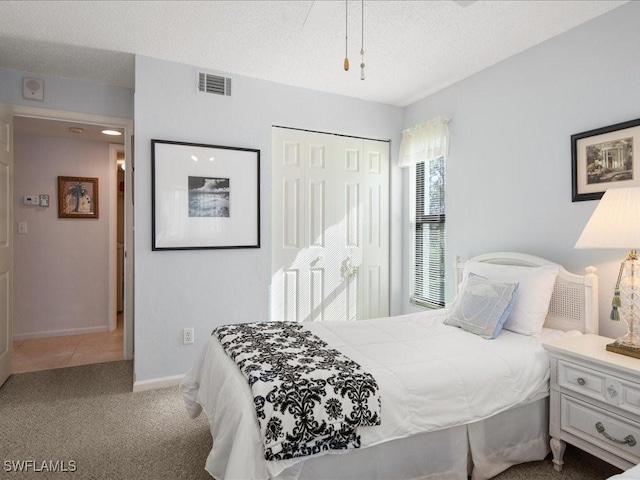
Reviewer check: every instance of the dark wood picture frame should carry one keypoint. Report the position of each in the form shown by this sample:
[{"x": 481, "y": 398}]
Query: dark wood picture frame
[
  {"x": 603, "y": 158},
  {"x": 204, "y": 196},
  {"x": 78, "y": 197}
]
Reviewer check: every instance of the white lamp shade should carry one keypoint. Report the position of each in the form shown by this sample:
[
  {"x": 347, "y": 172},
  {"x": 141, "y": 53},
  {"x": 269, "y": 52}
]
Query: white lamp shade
[{"x": 615, "y": 222}]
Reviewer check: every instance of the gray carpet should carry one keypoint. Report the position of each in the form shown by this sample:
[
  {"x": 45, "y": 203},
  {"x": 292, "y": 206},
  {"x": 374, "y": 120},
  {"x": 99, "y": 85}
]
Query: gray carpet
[{"x": 88, "y": 414}]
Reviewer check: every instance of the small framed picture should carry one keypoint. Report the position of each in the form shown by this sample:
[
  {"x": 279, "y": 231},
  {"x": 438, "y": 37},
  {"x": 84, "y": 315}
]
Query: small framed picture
[
  {"x": 204, "y": 196},
  {"x": 603, "y": 158},
  {"x": 77, "y": 197}
]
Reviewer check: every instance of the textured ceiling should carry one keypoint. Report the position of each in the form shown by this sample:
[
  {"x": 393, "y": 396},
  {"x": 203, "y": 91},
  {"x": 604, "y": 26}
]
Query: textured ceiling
[{"x": 412, "y": 48}]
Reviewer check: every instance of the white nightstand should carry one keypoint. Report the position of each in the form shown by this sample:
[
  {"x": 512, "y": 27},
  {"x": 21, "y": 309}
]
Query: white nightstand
[{"x": 595, "y": 401}]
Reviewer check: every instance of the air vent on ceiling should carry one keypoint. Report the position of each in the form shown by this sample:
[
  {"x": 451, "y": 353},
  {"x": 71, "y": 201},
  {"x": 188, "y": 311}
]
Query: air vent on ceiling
[{"x": 214, "y": 84}]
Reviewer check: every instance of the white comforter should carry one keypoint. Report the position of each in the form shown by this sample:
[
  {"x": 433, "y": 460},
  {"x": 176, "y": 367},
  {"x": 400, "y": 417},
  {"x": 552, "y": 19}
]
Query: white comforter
[
  {"x": 631, "y": 474},
  {"x": 431, "y": 376}
]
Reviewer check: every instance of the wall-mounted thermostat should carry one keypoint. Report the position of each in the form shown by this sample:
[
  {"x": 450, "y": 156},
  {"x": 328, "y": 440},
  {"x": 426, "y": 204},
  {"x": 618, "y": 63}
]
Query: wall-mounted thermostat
[{"x": 31, "y": 199}]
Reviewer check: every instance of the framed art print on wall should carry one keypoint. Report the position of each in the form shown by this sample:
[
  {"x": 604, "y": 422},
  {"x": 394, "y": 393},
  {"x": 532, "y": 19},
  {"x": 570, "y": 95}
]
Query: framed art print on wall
[
  {"x": 77, "y": 197},
  {"x": 204, "y": 196},
  {"x": 604, "y": 158}
]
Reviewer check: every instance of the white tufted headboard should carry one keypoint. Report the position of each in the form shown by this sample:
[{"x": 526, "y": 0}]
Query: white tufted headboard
[{"x": 574, "y": 302}]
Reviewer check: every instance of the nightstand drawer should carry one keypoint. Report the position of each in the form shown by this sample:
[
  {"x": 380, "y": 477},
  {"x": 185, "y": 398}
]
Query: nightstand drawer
[
  {"x": 610, "y": 432},
  {"x": 629, "y": 397},
  {"x": 585, "y": 381}
]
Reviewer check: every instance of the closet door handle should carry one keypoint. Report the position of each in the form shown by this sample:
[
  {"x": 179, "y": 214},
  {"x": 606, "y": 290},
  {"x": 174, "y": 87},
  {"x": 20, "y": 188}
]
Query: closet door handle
[
  {"x": 628, "y": 440},
  {"x": 348, "y": 269}
]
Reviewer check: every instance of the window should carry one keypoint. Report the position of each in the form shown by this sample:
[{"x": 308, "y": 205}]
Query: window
[
  {"x": 424, "y": 149},
  {"x": 428, "y": 272}
]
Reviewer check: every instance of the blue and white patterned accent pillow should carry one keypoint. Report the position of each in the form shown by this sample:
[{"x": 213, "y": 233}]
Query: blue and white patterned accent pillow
[{"x": 482, "y": 306}]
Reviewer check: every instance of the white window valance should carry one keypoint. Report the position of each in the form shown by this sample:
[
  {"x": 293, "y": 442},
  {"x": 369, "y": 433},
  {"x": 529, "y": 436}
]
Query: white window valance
[{"x": 424, "y": 142}]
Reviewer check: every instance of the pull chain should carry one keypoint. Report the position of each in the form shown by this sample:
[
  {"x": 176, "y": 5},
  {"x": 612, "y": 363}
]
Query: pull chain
[
  {"x": 346, "y": 36},
  {"x": 362, "y": 46}
]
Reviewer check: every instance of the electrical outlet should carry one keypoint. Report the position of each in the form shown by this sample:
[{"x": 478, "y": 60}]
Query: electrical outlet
[{"x": 187, "y": 336}]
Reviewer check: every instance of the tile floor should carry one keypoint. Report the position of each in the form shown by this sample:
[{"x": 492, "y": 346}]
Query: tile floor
[{"x": 57, "y": 352}]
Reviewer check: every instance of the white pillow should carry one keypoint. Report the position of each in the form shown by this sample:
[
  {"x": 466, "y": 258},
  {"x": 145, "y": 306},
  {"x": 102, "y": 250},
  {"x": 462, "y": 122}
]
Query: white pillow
[
  {"x": 535, "y": 287},
  {"x": 482, "y": 306}
]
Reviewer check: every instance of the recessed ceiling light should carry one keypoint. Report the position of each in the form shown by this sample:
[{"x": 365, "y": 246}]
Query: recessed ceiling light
[
  {"x": 76, "y": 129},
  {"x": 111, "y": 132}
]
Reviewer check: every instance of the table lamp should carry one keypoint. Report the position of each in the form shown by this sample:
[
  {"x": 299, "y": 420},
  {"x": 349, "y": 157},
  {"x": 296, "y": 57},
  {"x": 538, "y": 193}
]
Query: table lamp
[{"x": 615, "y": 223}]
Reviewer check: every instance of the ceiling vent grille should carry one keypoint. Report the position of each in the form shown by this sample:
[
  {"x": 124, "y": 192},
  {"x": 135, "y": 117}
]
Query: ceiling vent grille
[{"x": 214, "y": 84}]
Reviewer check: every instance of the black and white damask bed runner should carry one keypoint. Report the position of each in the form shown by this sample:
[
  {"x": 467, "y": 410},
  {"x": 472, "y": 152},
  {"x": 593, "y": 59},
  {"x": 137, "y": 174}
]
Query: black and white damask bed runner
[{"x": 308, "y": 398}]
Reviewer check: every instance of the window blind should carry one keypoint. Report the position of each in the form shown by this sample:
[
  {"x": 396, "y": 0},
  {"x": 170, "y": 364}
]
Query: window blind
[{"x": 428, "y": 281}]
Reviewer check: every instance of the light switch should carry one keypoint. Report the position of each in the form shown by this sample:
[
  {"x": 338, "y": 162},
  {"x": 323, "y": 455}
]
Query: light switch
[{"x": 22, "y": 228}]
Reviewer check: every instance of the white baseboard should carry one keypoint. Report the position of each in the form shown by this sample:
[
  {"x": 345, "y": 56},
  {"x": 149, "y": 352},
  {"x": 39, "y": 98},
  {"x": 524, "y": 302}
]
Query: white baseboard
[
  {"x": 156, "y": 383},
  {"x": 60, "y": 333}
]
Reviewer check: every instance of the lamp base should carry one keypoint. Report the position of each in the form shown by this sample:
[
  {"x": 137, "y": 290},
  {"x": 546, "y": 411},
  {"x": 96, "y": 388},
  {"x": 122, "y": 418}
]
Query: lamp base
[{"x": 623, "y": 349}]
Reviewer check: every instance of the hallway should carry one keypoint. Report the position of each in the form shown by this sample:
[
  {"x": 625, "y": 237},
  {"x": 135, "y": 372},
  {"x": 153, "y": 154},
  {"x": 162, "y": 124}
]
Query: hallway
[{"x": 67, "y": 351}]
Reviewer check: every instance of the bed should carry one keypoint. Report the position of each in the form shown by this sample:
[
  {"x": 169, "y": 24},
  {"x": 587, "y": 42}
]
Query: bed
[
  {"x": 453, "y": 403},
  {"x": 631, "y": 474}
]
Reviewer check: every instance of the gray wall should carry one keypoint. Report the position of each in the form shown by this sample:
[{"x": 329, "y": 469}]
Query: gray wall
[
  {"x": 69, "y": 95},
  {"x": 206, "y": 288},
  {"x": 61, "y": 264},
  {"x": 509, "y": 168}
]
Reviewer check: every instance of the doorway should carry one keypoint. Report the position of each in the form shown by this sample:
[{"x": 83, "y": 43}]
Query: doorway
[{"x": 109, "y": 338}]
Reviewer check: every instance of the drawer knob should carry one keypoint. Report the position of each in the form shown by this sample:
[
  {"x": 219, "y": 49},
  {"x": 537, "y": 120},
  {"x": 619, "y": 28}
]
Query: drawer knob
[
  {"x": 581, "y": 381},
  {"x": 628, "y": 440}
]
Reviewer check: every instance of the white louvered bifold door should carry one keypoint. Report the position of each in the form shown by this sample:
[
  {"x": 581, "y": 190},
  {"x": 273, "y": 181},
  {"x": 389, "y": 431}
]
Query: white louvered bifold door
[{"x": 330, "y": 222}]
